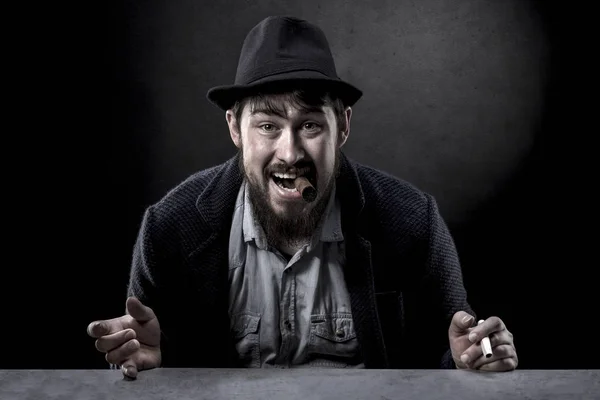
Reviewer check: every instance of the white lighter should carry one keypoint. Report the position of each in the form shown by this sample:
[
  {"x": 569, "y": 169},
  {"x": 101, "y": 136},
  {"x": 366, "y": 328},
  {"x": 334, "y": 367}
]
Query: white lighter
[{"x": 486, "y": 346}]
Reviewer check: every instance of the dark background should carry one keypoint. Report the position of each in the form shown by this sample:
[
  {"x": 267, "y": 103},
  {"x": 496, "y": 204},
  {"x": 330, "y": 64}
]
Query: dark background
[{"x": 480, "y": 103}]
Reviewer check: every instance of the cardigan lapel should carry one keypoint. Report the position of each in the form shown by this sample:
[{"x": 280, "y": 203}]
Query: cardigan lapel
[
  {"x": 215, "y": 205},
  {"x": 217, "y": 201},
  {"x": 358, "y": 270},
  {"x": 210, "y": 259}
]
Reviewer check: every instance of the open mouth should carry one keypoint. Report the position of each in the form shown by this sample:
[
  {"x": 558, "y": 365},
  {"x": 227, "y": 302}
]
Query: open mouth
[{"x": 286, "y": 180}]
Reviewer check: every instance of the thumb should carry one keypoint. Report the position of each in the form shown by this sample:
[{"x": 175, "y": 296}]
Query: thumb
[
  {"x": 138, "y": 311},
  {"x": 461, "y": 322}
]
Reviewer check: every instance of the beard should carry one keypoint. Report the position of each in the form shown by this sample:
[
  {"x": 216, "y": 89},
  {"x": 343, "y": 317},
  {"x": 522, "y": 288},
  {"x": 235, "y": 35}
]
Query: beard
[{"x": 293, "y": 227}]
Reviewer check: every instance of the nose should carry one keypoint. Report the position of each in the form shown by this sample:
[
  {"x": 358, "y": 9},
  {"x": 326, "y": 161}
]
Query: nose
[{"x": 290, "y": 148}]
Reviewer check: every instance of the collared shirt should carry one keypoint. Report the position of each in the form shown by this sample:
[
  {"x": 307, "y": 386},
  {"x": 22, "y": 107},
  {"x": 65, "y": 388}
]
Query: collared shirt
[{"x": 290, "y": 313}]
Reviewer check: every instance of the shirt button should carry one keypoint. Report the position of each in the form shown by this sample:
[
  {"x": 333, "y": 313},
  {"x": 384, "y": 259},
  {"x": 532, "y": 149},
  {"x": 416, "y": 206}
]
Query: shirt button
[
  {"x": 339, "y": 333},
  {"x": 287, "y": 324}
]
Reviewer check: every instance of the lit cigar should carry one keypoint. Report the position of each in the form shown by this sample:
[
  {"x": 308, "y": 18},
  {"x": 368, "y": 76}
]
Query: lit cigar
[
  {"x": 308, "y": 191},
  {"x": 486, "y": 346}
]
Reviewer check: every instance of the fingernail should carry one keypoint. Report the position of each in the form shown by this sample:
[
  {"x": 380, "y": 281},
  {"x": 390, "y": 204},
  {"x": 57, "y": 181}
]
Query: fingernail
[
  {"x": 472, "y": 337},
  {"x": 467, "y": 319},
  {"x": 125, "y": 371},
  {"x": 464, "y": 358}
]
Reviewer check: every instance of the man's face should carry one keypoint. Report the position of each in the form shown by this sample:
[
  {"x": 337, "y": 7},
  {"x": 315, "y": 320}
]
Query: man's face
[{"x": 277, "y": 147}]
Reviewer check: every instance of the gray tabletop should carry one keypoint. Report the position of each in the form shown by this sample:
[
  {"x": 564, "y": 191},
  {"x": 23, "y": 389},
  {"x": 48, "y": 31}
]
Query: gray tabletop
[{"x": 305, "y": 384}]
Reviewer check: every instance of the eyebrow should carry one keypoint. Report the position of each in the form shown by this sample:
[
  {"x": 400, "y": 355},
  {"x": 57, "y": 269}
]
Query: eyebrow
[{"x": 309, "y": 110}]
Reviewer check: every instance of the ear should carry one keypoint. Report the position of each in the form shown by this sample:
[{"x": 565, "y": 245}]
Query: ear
[
  {"x": 234, "y": 129},
  {"x": 344, "y": 133}
]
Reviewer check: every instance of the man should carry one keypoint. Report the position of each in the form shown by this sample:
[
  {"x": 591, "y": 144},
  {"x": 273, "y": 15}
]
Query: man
[{"x": 238, "y": 266}]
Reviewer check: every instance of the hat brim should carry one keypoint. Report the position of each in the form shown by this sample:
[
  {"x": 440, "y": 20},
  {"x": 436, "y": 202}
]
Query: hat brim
[{"x": 225, "y": 96}]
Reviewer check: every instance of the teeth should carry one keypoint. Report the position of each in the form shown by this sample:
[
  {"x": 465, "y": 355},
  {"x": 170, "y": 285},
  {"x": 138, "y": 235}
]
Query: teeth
[
  {"x": 285, "y": 176},
  {"x": 286, "y": 189}
]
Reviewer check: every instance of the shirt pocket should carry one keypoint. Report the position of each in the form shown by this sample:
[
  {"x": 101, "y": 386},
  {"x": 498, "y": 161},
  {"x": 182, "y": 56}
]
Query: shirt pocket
[
  {"x": 333, "y": 337},
  {"x": 246, "y": 335}
]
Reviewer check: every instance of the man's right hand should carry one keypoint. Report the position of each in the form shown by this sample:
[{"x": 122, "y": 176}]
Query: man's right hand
[{"x": 131, "y": 341}]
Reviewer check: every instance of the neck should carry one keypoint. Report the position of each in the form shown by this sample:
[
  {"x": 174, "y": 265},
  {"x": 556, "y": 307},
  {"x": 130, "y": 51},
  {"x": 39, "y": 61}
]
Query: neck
[{"x": 289, "y": 248}]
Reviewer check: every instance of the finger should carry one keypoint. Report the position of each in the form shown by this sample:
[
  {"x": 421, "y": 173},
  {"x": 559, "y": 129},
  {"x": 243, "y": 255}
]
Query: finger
[
  {"x": 501, "y": 337},
  {"x": 461, "y": 322},
  {"x": 475, "y": 351},
  {"x": 501, "y": 365},
  {"x": 120, "y": 354},
  {"x": 98, "y": 329},
  {"x": 500, "y": 352},
  {"x": 129, "y": 369},
  {"x": 139, "y": 361},
  {"x": 109, "y": 342},
  {"x": 138, "y": 311},
  {"x": 486, "y": 328}
]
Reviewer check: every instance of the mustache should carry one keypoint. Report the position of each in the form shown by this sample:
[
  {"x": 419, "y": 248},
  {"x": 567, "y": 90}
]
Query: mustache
[{"x": 298, "y": 168}]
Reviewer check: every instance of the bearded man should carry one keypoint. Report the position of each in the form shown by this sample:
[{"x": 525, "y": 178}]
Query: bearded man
[{"x": 290, "y": 254}]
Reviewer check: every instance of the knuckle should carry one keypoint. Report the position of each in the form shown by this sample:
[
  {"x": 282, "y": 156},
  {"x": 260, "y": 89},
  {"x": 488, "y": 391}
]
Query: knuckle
[
  {"x": 130, "y": 334},
  {"x": 505, "y": 351},
  {"x": 502, "y": 337},
  {"x": 494, "y": 339},
  {"x": 133, "y": 345},
  {"x": 129, "y": 348},
  {"x": 473, "y": 356},
  {"x": 458, "y": 316},
  {"x": 497, "y": 323},
  {"x": 121, "y": 353},
  {"x": 510, "y": 363}
]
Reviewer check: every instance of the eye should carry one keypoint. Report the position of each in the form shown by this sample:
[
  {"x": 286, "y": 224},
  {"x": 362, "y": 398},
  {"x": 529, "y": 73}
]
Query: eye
[
  {"x": 310, "y": 125},
  {"x": 267, "y": 127}
]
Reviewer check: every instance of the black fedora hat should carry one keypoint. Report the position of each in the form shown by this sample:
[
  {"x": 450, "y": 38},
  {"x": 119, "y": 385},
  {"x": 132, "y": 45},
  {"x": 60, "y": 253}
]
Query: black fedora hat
[{"x": 284, "y": 52}]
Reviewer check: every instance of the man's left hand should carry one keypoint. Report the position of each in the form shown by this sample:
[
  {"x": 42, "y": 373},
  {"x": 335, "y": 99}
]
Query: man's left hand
[{"x": 465, "y": 343}]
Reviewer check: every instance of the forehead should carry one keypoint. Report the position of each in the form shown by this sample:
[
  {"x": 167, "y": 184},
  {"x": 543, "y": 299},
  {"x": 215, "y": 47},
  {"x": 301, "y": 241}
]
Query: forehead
[{"x": 285, "y": 106}]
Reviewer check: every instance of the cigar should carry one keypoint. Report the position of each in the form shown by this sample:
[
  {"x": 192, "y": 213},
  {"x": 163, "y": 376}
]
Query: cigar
[
  {"x": 486, "y": 346},
  {"x": 308, "y": 191}
]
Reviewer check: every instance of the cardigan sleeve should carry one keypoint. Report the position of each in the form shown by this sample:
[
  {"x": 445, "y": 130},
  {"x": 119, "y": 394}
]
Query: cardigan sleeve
[
  {"x": 144, "y": 278},
  {"x": 444, "y": 279},
  {"x": 147, "y": 276}
]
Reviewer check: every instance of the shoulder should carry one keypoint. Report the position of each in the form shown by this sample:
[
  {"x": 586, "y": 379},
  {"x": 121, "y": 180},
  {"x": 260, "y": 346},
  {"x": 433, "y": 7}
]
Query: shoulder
[
  {"x": 387, "y": 192},
  {"x": 178, "y": 207},
  {"x": 183, "y": 196},
  {"x": 191, "y": 187},
  {"x": 394, "y": 204}
]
